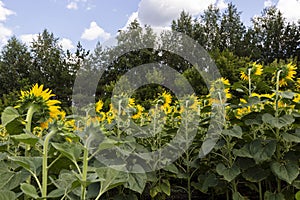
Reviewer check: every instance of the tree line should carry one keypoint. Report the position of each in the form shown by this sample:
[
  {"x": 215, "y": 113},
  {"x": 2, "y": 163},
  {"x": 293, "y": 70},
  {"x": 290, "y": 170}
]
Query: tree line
[{"x": 270, "y": 38}]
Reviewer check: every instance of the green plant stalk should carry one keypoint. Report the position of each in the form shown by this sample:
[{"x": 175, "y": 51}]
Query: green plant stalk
[
  {"x": 277, "y": 90},
  {"x": 28, "y": 120},
  {"x": 84, "y": 173},
  {"x": 260, "y": 191},
  {"x": 277, "y": 129},
  {"x": 188, "y": 158},
  {"x": 45, "y": 162},
  {"x": 119, "y": 118},
  {"x": 249, "y": 82}
]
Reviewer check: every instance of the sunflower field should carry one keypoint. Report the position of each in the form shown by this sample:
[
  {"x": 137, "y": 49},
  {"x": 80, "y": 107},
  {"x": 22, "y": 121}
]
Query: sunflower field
[{"x": 48, "y": 154}]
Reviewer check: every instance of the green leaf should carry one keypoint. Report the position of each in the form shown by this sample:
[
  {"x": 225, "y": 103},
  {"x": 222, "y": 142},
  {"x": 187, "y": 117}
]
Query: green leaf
[
  {"x": 71, "y": 151},
  {"x": 291, "y": 137},
  {"x": 56, "y": 193},
  {"x": 171, "y": 168},
  {"x": 7, "y": 195},
  {"x": 271, "y": 196},
  {"x": 205, "y": 181},
  {"x": 165, "y": 187},
  {"x": 255, "y": 174},
  {"x": 259, "y": 150},
  {"x": 237, "y": 196},
  {"x": 110, "y": 178},
  {"x": 29, "y": 190},
  {"x": 236, "y": 131},
  {"x": 154, "y": 191},
  {"x": 136, "y": 182},
  {"x": 29, "y": 163},
  {"x": 287, "y": 94},
  {"x": 229, "y": 174},
  {"x": 26, "y": 138},
  {"x": 8, "y": 115},
  {"x": 278, "y": 122},
  {"x": 287, "y": 172}
]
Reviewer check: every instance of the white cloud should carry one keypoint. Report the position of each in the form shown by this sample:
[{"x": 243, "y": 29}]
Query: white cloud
[
  {"x": 290, "y": 9},
  {"x": 5, "y": 33},
  {"x": 4, "y": 12},
  {"x": 72, "y": 6},
  {"x": 131, "y": 18},
  {"x": 162, "y": 12},
  {"x": 94, "y": 32},
  {"x": 268, "y": 3},
  {"x": 28, "y": 38},
  {"x": 221, "y": 4},
  {"x": 66, "y": 44}
]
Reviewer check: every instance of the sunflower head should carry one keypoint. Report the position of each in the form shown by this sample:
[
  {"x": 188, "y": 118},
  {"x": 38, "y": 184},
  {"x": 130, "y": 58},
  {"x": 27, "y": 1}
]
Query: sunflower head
[
  {"x": 99, "y": 106},
  {"x": 46, "y": 109},
  {"x": 220, "y": 91},
  {"x": 253, "y": 70},
  {"x": 287, "y": 73}
]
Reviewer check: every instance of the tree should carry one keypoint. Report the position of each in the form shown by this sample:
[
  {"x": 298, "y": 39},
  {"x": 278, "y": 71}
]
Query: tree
[
  {"x": 53, "y": 68},
  {"x": 268, "y": 33},
  {"x": 210, "y": 21},
  {"x": 15, "y": 63},
  {"x": 232, "y": 30}
]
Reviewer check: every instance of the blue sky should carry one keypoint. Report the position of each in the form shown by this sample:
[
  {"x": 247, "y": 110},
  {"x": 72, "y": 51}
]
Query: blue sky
[{"x": 89, "y": 21}]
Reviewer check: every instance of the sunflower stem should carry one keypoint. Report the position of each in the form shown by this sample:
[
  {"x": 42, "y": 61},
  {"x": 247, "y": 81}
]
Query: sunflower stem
[
  {"x": 29, "y": 116},
  {"x": 249, "y": 82},
  {"x": 45, "y": 163},
  {"x": 277, "y": 91}
]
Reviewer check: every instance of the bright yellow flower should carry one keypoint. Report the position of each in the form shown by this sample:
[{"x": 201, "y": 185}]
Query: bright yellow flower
[
  {"x": 288, "y": 73},
  {"x": 139, "y": 112},
  {"x": 167, "y": 98},
  {"x": 99, "y": 106},
  {"x": 47, "y": 107},
  {"x": 255, "y": 69},
  {"x": 297, "y": 98},
  {"x": 298, "y": 83},
  {"x": 110, "y": 115}
]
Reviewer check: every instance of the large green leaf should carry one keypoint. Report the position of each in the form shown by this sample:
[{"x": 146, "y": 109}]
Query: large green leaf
[
  {"x": 295, "y": 137},
  {"x": 229, "y": 174},
  {"x": 8, "y": 115},
  {"x": 26, "y": 138},
  {"x": 29, "y": 190},
  {"x": 29, "y": 163},
  {"x": 236, "y": 131},
  {"x": 259, "y": 150},
  {"x": 136, "y": 182},
  {"x": 205, "y": 181},
  {"x": 110, "y": 178},
  {"x": 285, "y": 171},
  {"x": 278, "y": 122},
  {"x": 165, "y": 187},
  {"x": 7, "y": 195},
  {"x": 255, "y": 174},
  {"x": 71, "y": 151},
  {"x": 271, "y": 196}
]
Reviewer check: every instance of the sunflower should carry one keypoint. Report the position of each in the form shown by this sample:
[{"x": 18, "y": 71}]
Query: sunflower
[
  {"x": 296, "y": 98},
  {"x": 47, "y": 109},
  {"x": 99, "y": 106},
  {"x": 219, "y": 90},
  {"x": 287, "y": 73},
  {"x": 139, "y": 111},
  {"x": 110, "y": 115},
  {"x": 254, "y": 69}
]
